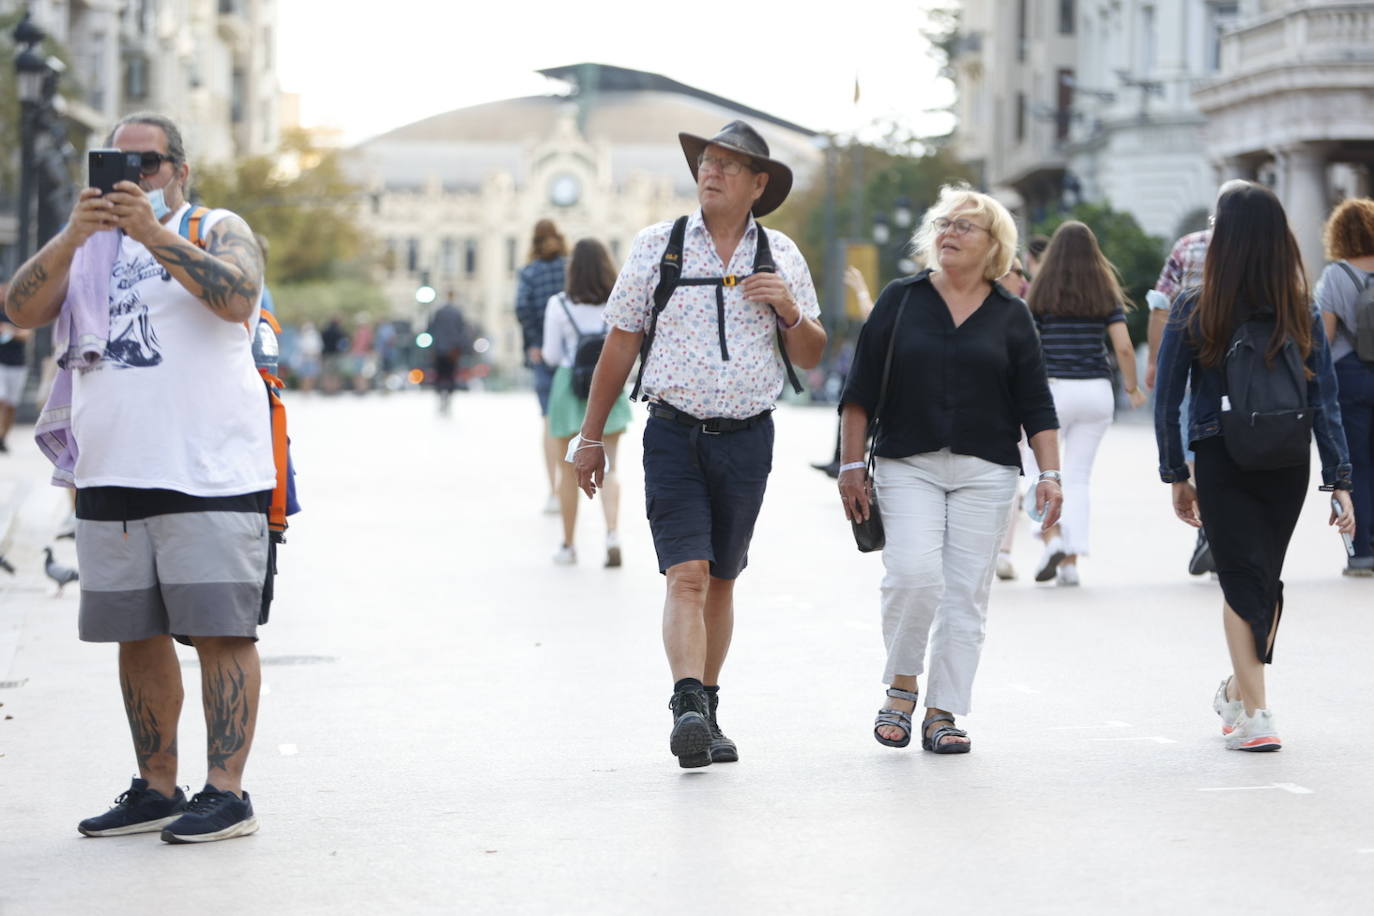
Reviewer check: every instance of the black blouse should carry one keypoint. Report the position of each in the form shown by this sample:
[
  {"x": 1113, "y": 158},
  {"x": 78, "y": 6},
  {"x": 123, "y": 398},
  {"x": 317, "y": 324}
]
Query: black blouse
[{"x": 971, "y": 388}]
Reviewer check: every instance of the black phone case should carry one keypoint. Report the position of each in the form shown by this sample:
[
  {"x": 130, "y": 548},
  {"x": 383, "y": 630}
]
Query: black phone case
[{"x": 108, "y": 167}]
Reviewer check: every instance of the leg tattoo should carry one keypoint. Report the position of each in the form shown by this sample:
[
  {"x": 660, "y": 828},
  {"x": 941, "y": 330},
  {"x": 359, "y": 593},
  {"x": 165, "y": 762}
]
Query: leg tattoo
[
  {"x": 228, "y": 714},
  {"x": 143, "y": 725}
]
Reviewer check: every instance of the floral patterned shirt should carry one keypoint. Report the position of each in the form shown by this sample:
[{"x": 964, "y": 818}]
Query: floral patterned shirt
[{"x": 685, "y": 368}]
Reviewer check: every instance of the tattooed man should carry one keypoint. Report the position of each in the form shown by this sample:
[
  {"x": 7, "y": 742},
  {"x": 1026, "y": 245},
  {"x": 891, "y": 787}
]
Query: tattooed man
[{"x": 173, "y": 472}]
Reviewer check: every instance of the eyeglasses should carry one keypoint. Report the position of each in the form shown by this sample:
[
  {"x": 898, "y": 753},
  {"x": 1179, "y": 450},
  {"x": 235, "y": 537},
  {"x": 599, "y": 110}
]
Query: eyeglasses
[
  {"x": 955, "y": 226},
  {"x": 730, "y": 167},
  {"x": 149, "y": 161}
]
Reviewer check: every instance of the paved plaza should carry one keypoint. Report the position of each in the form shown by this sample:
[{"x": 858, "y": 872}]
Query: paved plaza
[{"x": 453, "y": 724}]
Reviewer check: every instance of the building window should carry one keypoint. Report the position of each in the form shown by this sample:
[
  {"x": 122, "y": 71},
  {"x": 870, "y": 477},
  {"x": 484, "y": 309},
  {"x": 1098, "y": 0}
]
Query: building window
[
  {"x": 228, "y": 6},
  {"x": 1021, "y": 30},
  {"x": 1067, "y": 14},
  {"x": 136, "y": 77},
  {"x": 1063, "y": 106},
  {"x": 389, "y": 256},
  {"x": 1020, "y": 117},
  {"x": 412, "y": 255},
  {"x": 238, "y": 96},
  {"x": 1148, "y": 41},
  {"x": 1221, "y": 17},
  {"x": 448, "y": 259},
  {"x": 470, "y": 257},
  {"x": 267, "y": 47}
]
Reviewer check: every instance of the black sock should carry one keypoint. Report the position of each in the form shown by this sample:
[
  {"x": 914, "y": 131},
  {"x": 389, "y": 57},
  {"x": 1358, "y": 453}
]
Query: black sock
[
  {"x": 711, "y": 688},
  {"x": 687, "y": 683}
]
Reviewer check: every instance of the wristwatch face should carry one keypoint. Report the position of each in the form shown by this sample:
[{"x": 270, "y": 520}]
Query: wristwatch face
[{"x": 565, "y": 190}]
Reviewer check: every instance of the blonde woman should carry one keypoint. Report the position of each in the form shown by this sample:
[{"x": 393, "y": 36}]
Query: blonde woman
[{"x": 966, "y": 378}]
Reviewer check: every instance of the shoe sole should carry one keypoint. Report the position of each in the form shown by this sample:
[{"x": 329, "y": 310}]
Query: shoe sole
[
  {"x": 1006, "y": 577},
  {"x": 690, "y": 741},
  {"x": 612, "y": 557},
  {"x": 1265, "y": 743},
  {"x": 724, "y": 753},
  {"x": 130, "y": 829},
  {"x": 1358, "y": 573},
  {"x": 1047, "y": 572},
  {"x": 1199, "y": 567},
  {"x": 242, "y": 828}
]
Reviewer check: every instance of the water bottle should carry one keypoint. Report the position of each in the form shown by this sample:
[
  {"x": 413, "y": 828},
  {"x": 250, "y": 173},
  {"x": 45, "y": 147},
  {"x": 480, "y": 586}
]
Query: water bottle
[
  {"x": 1029, "y": 502},
  {"x": 266, "y": 348}
]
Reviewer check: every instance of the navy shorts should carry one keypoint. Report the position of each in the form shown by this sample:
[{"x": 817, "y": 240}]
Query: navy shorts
[{"x": 703, "y": 492}]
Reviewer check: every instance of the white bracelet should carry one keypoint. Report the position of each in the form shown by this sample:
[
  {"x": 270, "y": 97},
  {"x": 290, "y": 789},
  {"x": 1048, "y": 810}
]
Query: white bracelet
[
  {"x": 853, "y": 466},
  {"x": 793, "y": 325}
]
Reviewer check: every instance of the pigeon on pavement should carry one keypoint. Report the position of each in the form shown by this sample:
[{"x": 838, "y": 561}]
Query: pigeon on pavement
[
  {"x": 5, "y": 565},
  {"x": 57, "y": 572}
]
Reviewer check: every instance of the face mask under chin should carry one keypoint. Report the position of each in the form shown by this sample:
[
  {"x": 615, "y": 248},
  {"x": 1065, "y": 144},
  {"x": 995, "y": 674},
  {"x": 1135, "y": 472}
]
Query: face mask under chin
[{"x": 158, "y": 199}]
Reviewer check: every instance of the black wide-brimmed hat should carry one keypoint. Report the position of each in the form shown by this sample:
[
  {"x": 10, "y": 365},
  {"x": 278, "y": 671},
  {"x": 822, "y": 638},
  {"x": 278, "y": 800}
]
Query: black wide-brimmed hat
[{"x": 741, "y": 138}]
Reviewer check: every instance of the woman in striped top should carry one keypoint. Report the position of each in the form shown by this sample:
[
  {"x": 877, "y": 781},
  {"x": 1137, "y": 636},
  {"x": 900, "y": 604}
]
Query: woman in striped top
[{"x": 1076, "y": 299}]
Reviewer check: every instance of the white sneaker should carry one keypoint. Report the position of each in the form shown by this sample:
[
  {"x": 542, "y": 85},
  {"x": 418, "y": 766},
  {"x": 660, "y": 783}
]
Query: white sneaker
[
  {"x": 1067, "y": 575},
  {"x": 565, "y": 556},
  {"x": 551, "y": 505},
  {"x": 1254, "y": 733},
  {"x": 1231, "y": 711},
  {"x": 1005, "y": 571},
  {"x": 1049, "y": 560},
  {"x": 612, "y": 549}
]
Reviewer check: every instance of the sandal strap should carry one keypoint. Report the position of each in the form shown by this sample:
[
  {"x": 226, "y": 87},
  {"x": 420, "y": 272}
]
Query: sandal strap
[
  {"x": 894, "y": 717},
  {"x": 898, "y": 693},
  {"x": 938, "y": 717}
]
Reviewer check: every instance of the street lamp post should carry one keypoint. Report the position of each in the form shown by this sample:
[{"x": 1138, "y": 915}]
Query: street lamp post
[
  {"x": 891, "y": 234},
  {"x": 31, "y": 72}
]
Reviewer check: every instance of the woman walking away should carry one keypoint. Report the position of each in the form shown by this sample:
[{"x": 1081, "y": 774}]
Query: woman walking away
[
  {"x": 540, "y": 279},
  {"x": 965, "y": 378},
  {"x": 1076, "y": 300},
  {"x": 1248, "y": 336},
  {"x": 1345, "y": 296},
  {"x": 569, "y": 316}
]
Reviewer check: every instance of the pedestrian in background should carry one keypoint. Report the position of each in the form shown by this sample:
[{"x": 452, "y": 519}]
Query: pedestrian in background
[
  {"x": 576, "y": 312},
  {"x": 309, "y": 350},
  {"x": 1349, "y": 242},
  {"x": 966, "y": 379},
  {"x": 448, "y": 331},
  {"x": 1077, "y": 301},
  {"x": 1015, "y": 281},
  {"x": 14, "y": 370},
  {"x": 1035, "y": 250},
  {"x": 712, "y": 377},
  {"x": 1253, "y": 272},
  {"x": 334, "y": 340},
  {"x": 539, "y": 280}
]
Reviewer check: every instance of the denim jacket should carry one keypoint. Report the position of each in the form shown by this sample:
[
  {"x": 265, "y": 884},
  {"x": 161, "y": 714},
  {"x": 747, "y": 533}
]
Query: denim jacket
[{"x": 1178, "y": 363}]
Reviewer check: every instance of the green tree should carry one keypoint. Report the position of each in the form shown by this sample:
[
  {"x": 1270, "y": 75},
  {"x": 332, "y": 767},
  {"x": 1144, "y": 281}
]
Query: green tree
[
  {"x": 320, "y": 259},
  {"x": 1136, "y": 255}
]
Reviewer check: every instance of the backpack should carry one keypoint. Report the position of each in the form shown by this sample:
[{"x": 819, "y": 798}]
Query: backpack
[
  {"x": 670, "y": 278},
  {"x": 1266, "y": 422},
  {"x": 586, "y": 352},
  {"x": 283, "y": 501},
  {"x": 1362, "y": 334}
]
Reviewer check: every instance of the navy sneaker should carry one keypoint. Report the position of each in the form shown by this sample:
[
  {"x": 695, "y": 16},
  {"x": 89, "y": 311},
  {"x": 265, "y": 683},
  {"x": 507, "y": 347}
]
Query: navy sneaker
[
  {"x": 138, "y": 809},
  {"x": 1201, "y": 561},
  {"x": 212, "y": 815}
]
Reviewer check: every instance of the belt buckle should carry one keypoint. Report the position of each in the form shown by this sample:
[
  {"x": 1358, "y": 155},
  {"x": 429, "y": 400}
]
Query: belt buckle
[{"x": 706, "y": 428}]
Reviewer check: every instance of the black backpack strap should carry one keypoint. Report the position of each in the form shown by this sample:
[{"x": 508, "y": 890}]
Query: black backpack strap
[
  {"x": 567, "y": 310},
  {"x": 763, "y": 263},
  {"x": 669, "y": 272}
]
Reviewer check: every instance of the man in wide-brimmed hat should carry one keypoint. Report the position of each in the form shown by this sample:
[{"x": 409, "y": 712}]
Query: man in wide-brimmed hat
[{"x": 713, "y": 365}]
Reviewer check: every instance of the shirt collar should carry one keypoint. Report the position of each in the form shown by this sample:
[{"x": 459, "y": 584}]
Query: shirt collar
[
  {"x": 697, "y": 223},
  {"x": 924, "y": 276}
]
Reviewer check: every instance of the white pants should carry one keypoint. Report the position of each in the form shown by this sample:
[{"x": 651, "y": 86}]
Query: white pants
[
  {"x": 1084, "y": 407},
  {"x": 944, "y": 515}
]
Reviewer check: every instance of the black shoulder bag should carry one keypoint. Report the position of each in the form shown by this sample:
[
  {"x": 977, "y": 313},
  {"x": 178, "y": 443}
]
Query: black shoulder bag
[{"x": 869, "y": 535}]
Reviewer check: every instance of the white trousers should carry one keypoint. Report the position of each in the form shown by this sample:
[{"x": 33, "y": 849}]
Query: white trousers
[
  {"x": 944, "y": 515},
  {"x": 1084, "y": 407}
]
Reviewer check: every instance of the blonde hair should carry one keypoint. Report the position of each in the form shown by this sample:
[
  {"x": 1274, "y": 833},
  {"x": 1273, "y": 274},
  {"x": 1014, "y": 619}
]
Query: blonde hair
[{"x": 1001, "y": 228}]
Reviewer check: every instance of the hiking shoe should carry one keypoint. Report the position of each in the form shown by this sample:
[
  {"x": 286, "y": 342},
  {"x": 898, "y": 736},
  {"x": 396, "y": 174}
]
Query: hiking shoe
[
  {"x": 1202, "y": 556},
  {"x": 1360, "y": 567},
  {"x": 565, "y": 556},
  {"x": 1005, "y": 571},
  {"x": 612, "y": 549},
  {"x": 1049, "y": 560},
  {"x": 212, "y": 815},
  {"x": 690, "y": 741},
  {"x": 1231, "y": 711},
  {"x": 1254, "y": 733},
  {"x": 1067, "y": 575},
  {"x": 138, "y": 809},
  {"x": 723, "y": 750}
]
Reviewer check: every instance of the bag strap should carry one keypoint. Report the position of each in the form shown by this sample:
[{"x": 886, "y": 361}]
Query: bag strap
[
  {"x": 669, "y": 272},
  {"x": 1359, "y": 291},
  {"x": 763, "y": 264},
  {"x": 567, "y": 310},
  {"x": 882, "y": 389},
  {"x": 190, "y": 226}
]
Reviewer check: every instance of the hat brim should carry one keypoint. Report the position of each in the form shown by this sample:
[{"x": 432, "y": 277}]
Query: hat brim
[{"x": 779, "y": 176}]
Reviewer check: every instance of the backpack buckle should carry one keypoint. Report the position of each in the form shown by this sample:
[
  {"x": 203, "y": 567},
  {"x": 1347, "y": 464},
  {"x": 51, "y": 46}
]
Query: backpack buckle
[{"x": 729, "y": 280}]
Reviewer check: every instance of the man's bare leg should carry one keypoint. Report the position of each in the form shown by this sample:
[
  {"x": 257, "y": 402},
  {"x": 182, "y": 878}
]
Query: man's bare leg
[
  {"x": 150, "y": 679},
  {"x": 720, "y": 626},
  {"x": 684, "y": 624},
  {"x": 230, "y": 680}
]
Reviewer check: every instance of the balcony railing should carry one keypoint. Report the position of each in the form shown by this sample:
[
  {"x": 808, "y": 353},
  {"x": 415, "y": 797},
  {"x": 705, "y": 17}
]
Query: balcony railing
[{"x": 1330, "y": 33}]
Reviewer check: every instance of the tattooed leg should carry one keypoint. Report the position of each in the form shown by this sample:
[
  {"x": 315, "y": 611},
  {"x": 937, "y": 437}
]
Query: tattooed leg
[
  {"x": 150, "y": 679},
  {"x": 230, "y": 680}
]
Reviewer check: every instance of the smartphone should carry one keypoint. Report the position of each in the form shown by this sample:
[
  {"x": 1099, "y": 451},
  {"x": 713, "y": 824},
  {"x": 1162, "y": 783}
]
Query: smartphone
[
  {"x": 1349, "y": 541},
  {"x": 107, "y": 167}
]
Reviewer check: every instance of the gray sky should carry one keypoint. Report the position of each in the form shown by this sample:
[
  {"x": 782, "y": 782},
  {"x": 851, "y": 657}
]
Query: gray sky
[{"x": 367, "y": 69}]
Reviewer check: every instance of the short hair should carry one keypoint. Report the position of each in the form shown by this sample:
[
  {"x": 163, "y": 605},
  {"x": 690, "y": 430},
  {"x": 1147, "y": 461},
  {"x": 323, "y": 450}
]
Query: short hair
[
  {"x": 1349, "y": 232},
  {"x": 1001, "y": 228},
  {"x": 591, "y": 276},
  {"x": 175, "y": 147},
  {"x": 548, "y": 243}
]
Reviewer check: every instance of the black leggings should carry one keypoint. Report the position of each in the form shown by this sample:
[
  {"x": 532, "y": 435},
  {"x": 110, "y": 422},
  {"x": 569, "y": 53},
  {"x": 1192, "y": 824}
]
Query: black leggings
[{"x": 1249, "y": 517}]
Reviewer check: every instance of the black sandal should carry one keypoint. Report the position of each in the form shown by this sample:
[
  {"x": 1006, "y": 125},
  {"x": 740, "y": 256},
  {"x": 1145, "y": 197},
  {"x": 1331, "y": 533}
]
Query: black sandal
[
  {"x": 895, "y": 718},
  {"x": 935, "y": 743}
]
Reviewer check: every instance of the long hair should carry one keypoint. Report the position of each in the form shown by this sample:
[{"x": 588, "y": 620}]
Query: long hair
[
  {"x": 591, "y": 276},
  {"x": 1075, "y": 277},
  {"x": 548, "y": 243},
  {"x": 1253, "y": 268}
]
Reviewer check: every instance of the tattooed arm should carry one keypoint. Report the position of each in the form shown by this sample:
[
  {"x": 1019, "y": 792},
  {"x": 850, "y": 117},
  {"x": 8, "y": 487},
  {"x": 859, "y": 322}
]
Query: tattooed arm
[
  {"x": 36, "y": 293},
  {"x": 226, "y": 276}
]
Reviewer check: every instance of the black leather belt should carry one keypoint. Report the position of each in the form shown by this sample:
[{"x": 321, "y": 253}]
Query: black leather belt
[{"x": 713, "y": 426}]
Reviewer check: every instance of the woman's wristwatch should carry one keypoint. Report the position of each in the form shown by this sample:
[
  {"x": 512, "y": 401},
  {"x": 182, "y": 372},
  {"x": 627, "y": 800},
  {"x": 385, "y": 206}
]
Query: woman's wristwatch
[{"x": 1051, "y": 475}]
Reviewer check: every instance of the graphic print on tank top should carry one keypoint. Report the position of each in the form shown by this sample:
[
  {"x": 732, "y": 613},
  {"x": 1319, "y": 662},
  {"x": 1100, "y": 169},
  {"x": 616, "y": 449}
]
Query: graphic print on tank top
[{"x": 133, "y": 339}]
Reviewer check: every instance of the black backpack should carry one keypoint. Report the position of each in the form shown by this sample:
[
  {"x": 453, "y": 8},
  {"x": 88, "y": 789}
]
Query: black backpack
[
  {"x": 1266, "y": 422},
  {"x": 670, "y": 278},
  {"x": 1362, "y": 334},
  {"x": 585, "y": 354}
]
